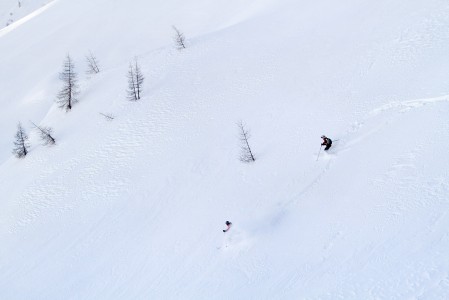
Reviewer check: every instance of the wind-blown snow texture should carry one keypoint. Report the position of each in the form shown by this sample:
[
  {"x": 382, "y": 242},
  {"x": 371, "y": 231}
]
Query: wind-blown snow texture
[{"x": 134, "y": 208}]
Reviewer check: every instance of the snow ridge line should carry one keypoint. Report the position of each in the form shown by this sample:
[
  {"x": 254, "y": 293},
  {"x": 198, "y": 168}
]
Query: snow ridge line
[{"x": 27, "y": 18}]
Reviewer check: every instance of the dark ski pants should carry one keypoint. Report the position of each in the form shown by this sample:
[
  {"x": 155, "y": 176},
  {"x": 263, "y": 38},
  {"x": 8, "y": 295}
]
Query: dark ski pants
[{"x": 327, "y": 147}]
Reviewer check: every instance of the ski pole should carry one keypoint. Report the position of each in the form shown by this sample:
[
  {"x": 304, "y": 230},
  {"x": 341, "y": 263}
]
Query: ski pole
[{"x": 319, "y": 153}]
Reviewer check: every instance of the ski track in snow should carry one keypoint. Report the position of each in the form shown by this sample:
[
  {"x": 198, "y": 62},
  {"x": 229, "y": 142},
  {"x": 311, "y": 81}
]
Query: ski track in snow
[
  {"x": 351, "y": 137},
  {"x": 393, "y": 210},
  {"x": 405, "y": 106},
  {"x": 397, "y": 207}
]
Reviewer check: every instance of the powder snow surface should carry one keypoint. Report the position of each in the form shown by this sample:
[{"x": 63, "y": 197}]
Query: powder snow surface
[{"x": 134, "y": 208}]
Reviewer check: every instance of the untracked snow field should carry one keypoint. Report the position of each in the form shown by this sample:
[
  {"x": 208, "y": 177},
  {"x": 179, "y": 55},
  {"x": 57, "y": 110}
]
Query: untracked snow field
[{"x": 134, "y": 207}]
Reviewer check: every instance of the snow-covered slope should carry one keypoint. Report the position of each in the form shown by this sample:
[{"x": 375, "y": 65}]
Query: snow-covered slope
[
  {"x": 17, "y": 11},
  {"x": 134, "y": 208}
]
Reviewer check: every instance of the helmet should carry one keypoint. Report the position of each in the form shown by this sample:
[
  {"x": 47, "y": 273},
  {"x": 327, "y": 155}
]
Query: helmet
[{"x": 323, "y": 136}]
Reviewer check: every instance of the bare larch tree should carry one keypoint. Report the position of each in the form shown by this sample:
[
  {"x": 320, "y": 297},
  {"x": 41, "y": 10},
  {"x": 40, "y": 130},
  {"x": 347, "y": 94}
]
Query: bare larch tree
[
  {"x": 92, "y": 64},
  {"x": 179, "y": 38},
  {"x": 45, "y": 134},
  {"x": 21, "y": 144},
  {"x": 246, "y": 154},
  {"x": 135, "y": 81},
  {"x": 67, "y": 96}
]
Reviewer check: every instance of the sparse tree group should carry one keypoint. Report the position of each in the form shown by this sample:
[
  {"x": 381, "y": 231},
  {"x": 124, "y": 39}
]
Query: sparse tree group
[{"x": 67, "y": 96}]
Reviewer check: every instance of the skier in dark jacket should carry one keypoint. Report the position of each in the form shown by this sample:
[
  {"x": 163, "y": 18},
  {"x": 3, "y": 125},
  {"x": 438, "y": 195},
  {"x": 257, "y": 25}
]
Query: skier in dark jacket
[
  {"x": 326, "y": 142},
  {"x": 229, "y": 224}
]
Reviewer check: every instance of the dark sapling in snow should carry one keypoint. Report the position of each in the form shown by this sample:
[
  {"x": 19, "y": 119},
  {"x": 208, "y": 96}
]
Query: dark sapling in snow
[
  {"x": 108, "y": 117},
  {"x": 67, "y": 96},
  {"x": 179, "y": 38},
  {"x": 135, "y": 81},
  {"x": 92, "y": 64},
  {"x": 246, "y": 154},
  {"x": 21, "y": 144},
  {"x": 45, "y": 134}
]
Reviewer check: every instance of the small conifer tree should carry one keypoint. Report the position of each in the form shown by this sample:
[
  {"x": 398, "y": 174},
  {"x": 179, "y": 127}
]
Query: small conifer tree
[
  {"x": 179, "y": 38},
  {"x": 67, "y": 96},
  {"x": 21, "y": 144},
  {"x": 246, "y": 153},
  {"x": 135, "y": 81}
]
